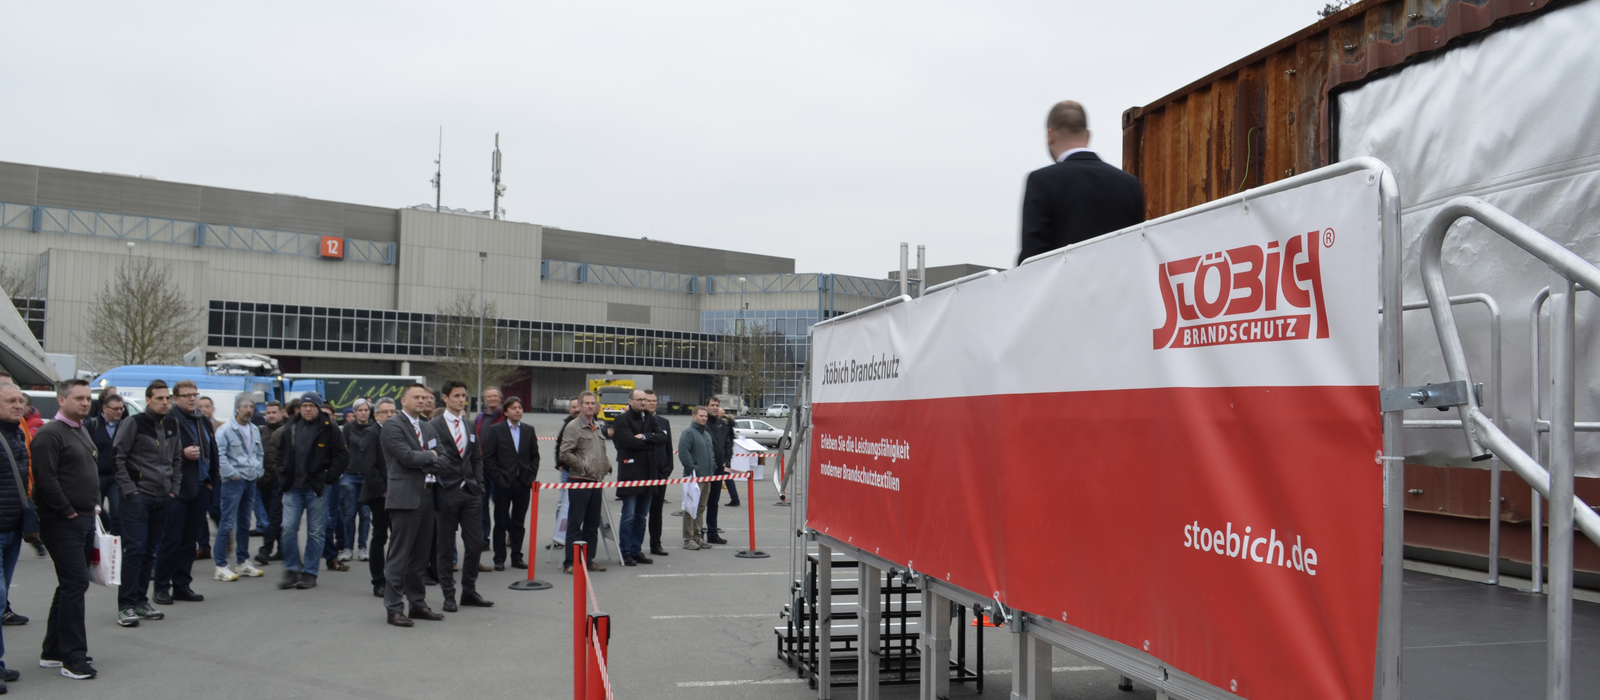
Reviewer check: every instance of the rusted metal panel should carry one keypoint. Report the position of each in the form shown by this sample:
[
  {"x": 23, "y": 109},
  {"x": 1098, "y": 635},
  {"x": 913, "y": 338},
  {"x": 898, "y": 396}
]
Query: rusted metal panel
[{"x": 1265, "y": 117}]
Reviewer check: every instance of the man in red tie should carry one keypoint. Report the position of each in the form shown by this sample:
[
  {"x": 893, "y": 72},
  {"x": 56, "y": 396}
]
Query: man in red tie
[{"x": 460, "y": 498}]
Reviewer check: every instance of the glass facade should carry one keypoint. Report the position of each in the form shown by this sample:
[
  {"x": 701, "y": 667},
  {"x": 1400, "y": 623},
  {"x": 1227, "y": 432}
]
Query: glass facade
[
  {"x": 787, "y": 346},
  {"x": 32, "y": 312},
  {"x": 262, "y": 326}
]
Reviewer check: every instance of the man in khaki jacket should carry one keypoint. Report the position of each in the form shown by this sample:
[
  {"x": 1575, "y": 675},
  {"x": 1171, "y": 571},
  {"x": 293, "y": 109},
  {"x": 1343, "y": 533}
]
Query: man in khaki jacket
[{"x": 582, "y": 454}]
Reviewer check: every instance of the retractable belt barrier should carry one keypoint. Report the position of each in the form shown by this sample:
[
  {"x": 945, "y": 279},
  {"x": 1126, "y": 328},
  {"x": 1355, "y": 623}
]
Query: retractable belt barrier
[{"x": 532, "y": 583}]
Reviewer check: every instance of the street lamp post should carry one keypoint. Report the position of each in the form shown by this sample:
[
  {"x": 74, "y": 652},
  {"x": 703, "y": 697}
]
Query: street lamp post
[{"x": 483, "y": 259}]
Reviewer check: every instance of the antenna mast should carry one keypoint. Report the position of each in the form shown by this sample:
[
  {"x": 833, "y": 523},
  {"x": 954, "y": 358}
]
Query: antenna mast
[
  {"x": 494, "y": 165},
  {"x": 438, "y": 172}
]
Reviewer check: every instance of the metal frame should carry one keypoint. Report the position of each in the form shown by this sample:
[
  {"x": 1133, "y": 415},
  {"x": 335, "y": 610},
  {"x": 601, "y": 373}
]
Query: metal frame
[
  {"x": 1139, "y": 665},
  {"x": 1484, "y": 437},
  {"x": 1496, "y": 379}
]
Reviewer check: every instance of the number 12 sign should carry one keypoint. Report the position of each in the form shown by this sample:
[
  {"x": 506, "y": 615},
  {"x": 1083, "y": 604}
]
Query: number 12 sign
[{"x": 332, "y": 247}]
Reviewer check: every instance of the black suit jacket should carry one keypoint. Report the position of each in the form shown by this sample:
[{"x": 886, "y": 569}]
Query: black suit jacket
[
  {"x": 408, "y": 462},
  {"x": 1075, "y": 200},
  {"x": 507, "y": 464},
  {"x": 454, "y": 466}
]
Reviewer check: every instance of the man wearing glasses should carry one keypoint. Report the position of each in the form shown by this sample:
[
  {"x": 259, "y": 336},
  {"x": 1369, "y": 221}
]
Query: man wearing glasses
[{"x": 176, "y": 554}]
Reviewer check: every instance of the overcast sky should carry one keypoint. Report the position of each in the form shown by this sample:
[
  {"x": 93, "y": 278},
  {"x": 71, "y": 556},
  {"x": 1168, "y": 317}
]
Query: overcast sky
[{"x": 827, "y": 132}]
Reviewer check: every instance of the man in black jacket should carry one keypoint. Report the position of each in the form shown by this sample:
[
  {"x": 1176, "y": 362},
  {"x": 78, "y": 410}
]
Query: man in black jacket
[
  {"x": 721, "y": 428},
  {"x": 511, "y": 462},
  {"x": 67, "y": 493},
  {"x": 150, "y": 473},
  {"x": 14, "y": 475},
  {"x": 636, "y": 435},
  {"x": 176, "y": 554},
  {"x": 375, "y": 489},
  {"x": 1080, "y": 196},
  {"x": 269, "y": 511},
  {"x": 661, "y": 462},
  {"x": 307, "y": 450},
  {"x": 102, "y": 428}
]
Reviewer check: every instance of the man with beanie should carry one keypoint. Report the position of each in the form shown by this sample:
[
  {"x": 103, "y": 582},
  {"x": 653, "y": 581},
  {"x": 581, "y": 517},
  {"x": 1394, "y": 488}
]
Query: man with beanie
[
  {"x": 306, "y": 451},
  {"x": 67, "y": 491},
  {"x": 176, "y": 554}
]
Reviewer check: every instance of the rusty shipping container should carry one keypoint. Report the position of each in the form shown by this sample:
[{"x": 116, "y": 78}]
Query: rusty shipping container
[{"x": 1276, "y": 113}]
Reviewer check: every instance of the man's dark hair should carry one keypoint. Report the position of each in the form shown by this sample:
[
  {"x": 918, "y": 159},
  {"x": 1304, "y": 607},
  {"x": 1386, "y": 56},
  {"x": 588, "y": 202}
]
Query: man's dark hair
[
  {"x": 150, "y": 391},
  {"x": 111, "y": 399},
  {"x": 713, "y": 400},
  {"x": 65, "y": 386},
  {"x": 414, "y": 385},
  {"x": 451, "y": 386},
  {"x": 1067, "y": 117},
  {"x": 508, "y": 401},
  {"x": 650, "y": 392},
  {"x": 270, "y": 404}
]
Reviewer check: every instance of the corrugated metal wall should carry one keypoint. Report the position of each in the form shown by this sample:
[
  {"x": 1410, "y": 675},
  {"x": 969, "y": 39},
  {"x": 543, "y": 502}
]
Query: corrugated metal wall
[{"x": 1266, "y": 117}]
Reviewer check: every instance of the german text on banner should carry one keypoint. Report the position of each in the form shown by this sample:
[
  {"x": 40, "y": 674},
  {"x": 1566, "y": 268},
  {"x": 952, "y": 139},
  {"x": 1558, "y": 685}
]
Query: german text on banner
[{"x": 1164, "y": 437}]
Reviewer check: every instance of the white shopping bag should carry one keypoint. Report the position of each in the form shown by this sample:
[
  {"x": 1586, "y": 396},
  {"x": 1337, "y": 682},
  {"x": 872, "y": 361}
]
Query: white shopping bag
[
  {"x": 691, "y": 498},
  {"x": 560, "y": 536},
  {"x": 105, "y": 562}
]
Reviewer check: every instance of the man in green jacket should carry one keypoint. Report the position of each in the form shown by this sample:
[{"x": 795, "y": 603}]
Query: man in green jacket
[{"x": 698, "y": 459}]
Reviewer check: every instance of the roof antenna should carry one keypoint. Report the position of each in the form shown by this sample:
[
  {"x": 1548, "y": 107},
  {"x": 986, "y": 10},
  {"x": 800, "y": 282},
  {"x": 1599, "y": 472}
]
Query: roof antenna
[
  {"x": 438, "y": 172},
  {"x": 499, "y": 189}
]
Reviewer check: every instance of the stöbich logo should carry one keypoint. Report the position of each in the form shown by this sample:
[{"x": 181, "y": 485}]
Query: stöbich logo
[{"x": 1250, "y": 294}]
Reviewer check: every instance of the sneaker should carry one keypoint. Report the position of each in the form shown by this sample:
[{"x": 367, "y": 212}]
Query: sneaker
[
  {"x": 78, "y": 670},
  {"x": 361, "y": 554},
  {"x": 47, "y": 662},
  {"x": 11, "y": 619},
  {"x": 225, "y": 574},
  {"x": 345, "y": 554},
  {"x": 145, "y": 612},
  {"x": 690, "y": 545},
  {"x": 706, "y": 545},
  {"x": 306, "y": 581},
  {"x": 126, "y": 618},
  {"x": 249, "y": 570}
]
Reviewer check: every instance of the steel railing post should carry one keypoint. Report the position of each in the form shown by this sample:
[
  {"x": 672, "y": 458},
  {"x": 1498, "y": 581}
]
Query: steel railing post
[
  {"x": 869, "y": 606},
  {"x": 1536, "y": 512},
  {"x": 823, "y": 644},
  {"x": 1562, "y": 433},
  {"x": 1390, "y": 338}
]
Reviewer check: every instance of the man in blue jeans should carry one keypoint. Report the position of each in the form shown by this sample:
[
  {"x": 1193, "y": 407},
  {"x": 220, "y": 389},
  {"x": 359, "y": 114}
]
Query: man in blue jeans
[
  {"x": 637, "y": 434},
  {"x": 306, "y": 451},
  {"x": 240, "y": 457},
  {"x": 356, "y": 516},
  {"x": 13, "y": 470},
  {"x": 149, "y": 472}
]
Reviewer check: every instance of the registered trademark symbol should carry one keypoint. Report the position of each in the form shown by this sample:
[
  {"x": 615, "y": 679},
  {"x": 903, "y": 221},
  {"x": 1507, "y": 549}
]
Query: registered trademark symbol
[{"x": 1327, "y": 238}]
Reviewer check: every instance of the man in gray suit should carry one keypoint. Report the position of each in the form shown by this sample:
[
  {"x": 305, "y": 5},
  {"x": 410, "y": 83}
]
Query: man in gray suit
[
  {"x": 460, "y": 498},
  {"x": 410, "y": 453}
]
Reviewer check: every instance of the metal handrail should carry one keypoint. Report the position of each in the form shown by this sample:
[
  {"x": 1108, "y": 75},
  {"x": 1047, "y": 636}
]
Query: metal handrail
[
  {"x": 1484, "y": 437},
  {"x": 1497, "y": 380}
]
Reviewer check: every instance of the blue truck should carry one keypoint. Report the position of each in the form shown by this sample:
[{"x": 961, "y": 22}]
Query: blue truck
[{"x": 224, "y": 385}]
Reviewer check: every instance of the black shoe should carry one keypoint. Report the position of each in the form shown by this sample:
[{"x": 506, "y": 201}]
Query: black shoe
[
  {"x": 163, "y": 597},
  {"x": 306, "y": 581},
  {"x": 261, "y": 558},
  {"x": 79, "y": 670},
  {"x": 716, "y": 540},
  {"x": 627, "y": 560},
  {"x": 11, "y": 675},
  {"x": 11, "y": 619},
  {"x": 733, "y": 504},
  {"x": 39, "y": 547},
  {"x": 518, "y": 563},
  {"x": 499, "y": 566},
  {"x": 276, "y": 556},
  {"x": 472, "y": 598},
  {"x": 290, "y": 580},
  {"x": 450, "y": 602},
  {"x": 658, "y": 551},
  {"x": 257, "y": 533},
  {"x": 186, "y": 594},
  {"x": 377, "y": 590},
  {"x": 429, "y": 580},
  {"x": 642, "y": 559}
]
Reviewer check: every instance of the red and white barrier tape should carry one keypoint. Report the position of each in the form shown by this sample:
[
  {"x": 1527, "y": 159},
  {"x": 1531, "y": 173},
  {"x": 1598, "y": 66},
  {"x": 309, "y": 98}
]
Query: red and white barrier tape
[{"x": 643, "y": 482}]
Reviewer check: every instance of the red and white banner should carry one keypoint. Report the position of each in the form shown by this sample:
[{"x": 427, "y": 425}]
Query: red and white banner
[{"x": 1164, "y": 437}]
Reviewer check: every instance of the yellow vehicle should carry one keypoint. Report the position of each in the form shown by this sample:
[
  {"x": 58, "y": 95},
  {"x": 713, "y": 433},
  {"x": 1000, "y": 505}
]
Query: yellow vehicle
[{"x": 613, "y": 391}]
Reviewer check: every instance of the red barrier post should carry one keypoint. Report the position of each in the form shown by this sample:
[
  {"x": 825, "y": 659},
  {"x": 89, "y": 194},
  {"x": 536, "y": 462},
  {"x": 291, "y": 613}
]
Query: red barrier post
[
  {"x": 750, "y": 498},
  {"x": 532, "y": 583},
  {"x": 600, "y": 634},
  {"x": 580, "y": 621}
]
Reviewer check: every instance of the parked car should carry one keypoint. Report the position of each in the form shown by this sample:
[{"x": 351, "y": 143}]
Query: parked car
[
  {"x": 778, "y": 410},
  {"x": 761, "y": 432}
]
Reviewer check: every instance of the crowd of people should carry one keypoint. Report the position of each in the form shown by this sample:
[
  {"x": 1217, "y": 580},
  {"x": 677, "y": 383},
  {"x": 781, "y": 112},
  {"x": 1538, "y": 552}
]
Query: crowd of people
[{"x": 413, "y": 474}]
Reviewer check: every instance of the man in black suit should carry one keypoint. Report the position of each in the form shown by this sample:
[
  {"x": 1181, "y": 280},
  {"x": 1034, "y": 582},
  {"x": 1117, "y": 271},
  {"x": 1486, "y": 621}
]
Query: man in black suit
[
  {"x": 460, "y": 498},
  {"x": 511, "y": 461},
  {"x": 1080, "y": 196},
  {"x": 409, "y": 452},
  {"x": 661, "y": 461}
]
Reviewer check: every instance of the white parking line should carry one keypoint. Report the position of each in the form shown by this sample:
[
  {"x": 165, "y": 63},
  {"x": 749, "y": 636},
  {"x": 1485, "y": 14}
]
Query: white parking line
[{"x": 746, "y": 573}]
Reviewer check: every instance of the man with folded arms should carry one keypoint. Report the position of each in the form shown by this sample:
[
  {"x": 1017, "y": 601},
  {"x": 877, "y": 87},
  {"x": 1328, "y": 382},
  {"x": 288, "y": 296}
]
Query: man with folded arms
[
  {"x": 240, "y": 456},
  {"x": 66, "y": 488},
  {"x": 637, "y": 437},
  {"x": 460, "y": 499},
  {"x": 175, "y": 555},
  {"x": 408, "y": 443}
]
